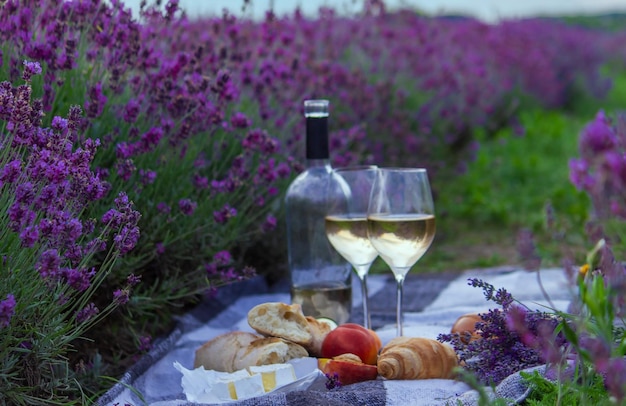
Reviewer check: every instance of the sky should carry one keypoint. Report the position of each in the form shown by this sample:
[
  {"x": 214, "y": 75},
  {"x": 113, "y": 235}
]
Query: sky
[{"x": 487, "y": 10}]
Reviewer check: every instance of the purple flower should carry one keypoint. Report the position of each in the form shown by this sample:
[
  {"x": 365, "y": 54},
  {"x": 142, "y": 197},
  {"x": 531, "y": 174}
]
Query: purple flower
[
  {"x": 49, "y": 263},
  {"x": 511, "y": 338},
  {"x": 124, "y": 215},
  {"x": 147, "y": 177},
  {"x": 133, "y": 279},
  {"x": 79, "y": 279},
  {"x": 25, "y": 193},
  {"x": 239, "y": 120},
  {"x": 160, "y": 248},
  {"x": 11, "y": 171},
  {"x": 163, "y": 208},
  {"x": 73, "y": 229},
  {"x": 86, "y": 313},
  {"x": 125, "y": 168},
  {"x": 131, "y": 110},
  {"x": 30, "y": 69},
  {"x": 151, "y": 138},
  {"x": 126, "y": 239},
  {"x": 615, "y": 377},
  {"x": 598, "y": 136},
  {"x": 259, "y": 140},
  {"x": 47, "y": 196},
  {"x": 269, "y": 224},
  {"x": 59, "y": 123},
  {"x": 222, "y": 258},
  {"x": 97, "y": 100},
  {"x": 7, "y": 310},
  {"x": 579, "y": 174},
  {"x": 222, "y": 216},
  {"x": 29, "y": 236},
  {"x": 121, "y": 296},
  {"x": 283, "y": 170},
  {"x": 124, "y": 150},
  {"x": 201, "y": 182},
  {"x": 145, "y": 343},
  {"x": 187, "y": 207}
]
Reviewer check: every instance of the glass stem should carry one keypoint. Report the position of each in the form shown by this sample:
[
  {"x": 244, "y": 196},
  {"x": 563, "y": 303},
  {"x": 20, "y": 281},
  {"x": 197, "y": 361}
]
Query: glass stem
[
  {"x": 400, "y": 281},
  {"x": 367, "y": 322}
]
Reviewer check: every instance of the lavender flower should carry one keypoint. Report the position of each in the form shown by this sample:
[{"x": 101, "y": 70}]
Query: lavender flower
[
  {"x": 145, "y": 343},
  {"x": 187, "y": 207},
  {"x": 270, "y": 223},
  {"x": 332, "y": 381},
  {"x": 121, "y": 296},
  {"x": 222, "y": 258},
  {"x": 7, "y": 310},
  {"x": 511, "y": 338},
  {"x": 79, "y": 279},
  {"x": 86, "y": 313},
  {"x": 30, "y": 69},
  {"x": 598, "y": 136},
  {"x": 224, "y": 214}
]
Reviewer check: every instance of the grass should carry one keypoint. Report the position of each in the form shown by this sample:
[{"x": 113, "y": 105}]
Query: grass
[{"x": 508, "y": 187}]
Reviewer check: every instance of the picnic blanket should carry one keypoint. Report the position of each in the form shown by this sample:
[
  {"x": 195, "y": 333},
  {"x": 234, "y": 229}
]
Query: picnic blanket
[{"x": 432, "y": 302}]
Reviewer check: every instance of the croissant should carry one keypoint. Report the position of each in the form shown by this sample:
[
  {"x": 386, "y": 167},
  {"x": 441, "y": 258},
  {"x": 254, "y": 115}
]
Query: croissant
[{"x": 416, "y": 358}]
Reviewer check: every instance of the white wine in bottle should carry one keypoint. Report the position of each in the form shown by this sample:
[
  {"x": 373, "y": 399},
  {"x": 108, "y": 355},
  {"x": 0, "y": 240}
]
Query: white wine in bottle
[{"x": 320, "y": 277}]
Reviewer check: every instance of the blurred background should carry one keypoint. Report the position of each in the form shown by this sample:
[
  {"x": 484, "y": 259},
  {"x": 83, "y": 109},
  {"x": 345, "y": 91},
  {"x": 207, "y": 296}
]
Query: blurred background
[{"x": 486, "y": 10}]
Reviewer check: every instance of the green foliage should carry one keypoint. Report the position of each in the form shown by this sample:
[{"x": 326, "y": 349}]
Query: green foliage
[
  {"x": 514, "y": 176},
  {"x": 545, "y": 392}
]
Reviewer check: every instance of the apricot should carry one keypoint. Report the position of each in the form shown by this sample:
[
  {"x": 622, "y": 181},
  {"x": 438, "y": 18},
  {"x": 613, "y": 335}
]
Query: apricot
[
  {"x": 348, "y": 371},
  {"x": 379, "y": 343},
  {"x": 465, "y": 326},
  {"x": 352, "y": 338}
]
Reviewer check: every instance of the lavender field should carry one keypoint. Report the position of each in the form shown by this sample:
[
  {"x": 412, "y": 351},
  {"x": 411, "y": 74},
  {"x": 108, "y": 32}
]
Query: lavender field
[{"x": 144, "y": 158}]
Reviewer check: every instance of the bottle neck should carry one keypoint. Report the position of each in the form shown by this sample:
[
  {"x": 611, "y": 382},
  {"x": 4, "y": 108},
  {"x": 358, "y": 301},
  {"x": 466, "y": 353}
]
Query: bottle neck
[
  {"x": 318, "y": 163},
  {"x": 317, "y": 138}
]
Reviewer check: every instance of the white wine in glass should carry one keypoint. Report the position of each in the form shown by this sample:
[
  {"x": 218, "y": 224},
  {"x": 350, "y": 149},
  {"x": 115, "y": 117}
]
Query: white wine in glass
[
  {"x": 346, "y": 222},
  {"x": 401, "y": 222}
]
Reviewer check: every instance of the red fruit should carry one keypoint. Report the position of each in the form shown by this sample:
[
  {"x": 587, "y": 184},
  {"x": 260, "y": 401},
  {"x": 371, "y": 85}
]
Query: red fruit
[
  {"x": 352, "y": 338},
  {"x": 348, "y": 372}
]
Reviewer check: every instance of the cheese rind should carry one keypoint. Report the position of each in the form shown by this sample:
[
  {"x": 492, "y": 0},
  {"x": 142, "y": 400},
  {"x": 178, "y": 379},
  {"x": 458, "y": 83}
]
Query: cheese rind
[
  {"x": 249, "y": 386},
  {"x": 274, "y": 375}
]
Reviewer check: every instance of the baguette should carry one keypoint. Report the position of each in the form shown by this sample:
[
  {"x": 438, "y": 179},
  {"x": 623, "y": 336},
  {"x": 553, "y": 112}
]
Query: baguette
[
  {"x": 319, "y": 330},
  {"x": 416, "y": 358},
  {"x": 237, "y": 350},
  {"x": 276, "y": 319}
]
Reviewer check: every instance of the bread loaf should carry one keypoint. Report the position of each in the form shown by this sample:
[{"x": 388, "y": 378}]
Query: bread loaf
[
  {"x": 319, "y": 330},
  {"x": 416, "y": 358},
  {"x": 276, "y": 319},
  {"x": 237, "y": 350}
]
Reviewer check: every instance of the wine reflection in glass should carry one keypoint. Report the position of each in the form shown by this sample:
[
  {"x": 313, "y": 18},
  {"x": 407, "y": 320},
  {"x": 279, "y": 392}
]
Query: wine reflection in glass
[
  {"x": 346, "y": 222},
  {"x": 401, "y": 222}
]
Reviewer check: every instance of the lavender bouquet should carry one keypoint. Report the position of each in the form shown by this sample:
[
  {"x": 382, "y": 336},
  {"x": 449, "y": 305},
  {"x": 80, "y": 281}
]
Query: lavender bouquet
[{"x": 583, "y": 349}]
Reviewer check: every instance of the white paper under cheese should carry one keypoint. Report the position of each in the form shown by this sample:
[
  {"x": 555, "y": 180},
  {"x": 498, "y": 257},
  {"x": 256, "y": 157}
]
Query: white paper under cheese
[{"x": 274, "y": 375}]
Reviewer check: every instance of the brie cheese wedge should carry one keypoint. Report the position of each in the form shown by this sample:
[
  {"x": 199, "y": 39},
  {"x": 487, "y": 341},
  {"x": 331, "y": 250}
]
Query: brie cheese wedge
[{"x": 274, "y": 375}]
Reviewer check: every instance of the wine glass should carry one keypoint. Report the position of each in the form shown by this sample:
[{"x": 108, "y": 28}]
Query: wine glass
[
  {"x": 401, "y": 222},
  {"x": 346, "y": 222}
]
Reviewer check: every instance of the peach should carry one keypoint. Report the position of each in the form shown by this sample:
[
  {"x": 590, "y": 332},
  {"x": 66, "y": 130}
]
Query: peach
[
  {"x": 379, "y": 343},
  {"x": 348, "y": 371},
  {"x": 465, "y": 326},
  {"x": 352, "y": 338}
]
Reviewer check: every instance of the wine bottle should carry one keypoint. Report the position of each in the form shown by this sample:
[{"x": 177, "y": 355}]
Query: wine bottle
[{"x": 320, "y": 277}]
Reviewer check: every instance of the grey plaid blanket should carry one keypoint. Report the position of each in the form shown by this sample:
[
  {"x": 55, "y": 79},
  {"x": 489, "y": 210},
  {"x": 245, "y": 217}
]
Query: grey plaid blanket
[{"x": 432, "y": 303}]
